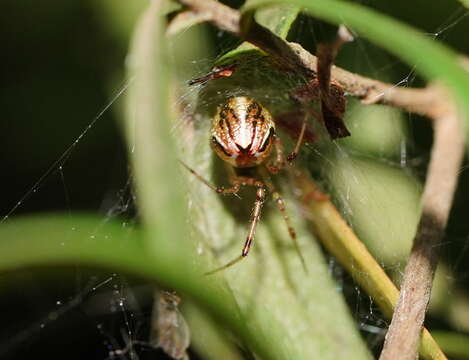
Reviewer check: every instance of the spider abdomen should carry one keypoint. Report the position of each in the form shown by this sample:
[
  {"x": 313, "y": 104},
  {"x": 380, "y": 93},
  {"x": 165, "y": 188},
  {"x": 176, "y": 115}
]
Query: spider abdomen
[{"x": 242, "y": 132}]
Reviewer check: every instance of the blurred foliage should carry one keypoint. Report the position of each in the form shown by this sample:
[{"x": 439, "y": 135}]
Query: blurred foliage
[{"x": 61, "y": 64}]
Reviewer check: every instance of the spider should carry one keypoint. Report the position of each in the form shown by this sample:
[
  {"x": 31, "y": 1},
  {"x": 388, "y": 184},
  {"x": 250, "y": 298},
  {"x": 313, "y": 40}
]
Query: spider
[{"x": 243, "y": 136}]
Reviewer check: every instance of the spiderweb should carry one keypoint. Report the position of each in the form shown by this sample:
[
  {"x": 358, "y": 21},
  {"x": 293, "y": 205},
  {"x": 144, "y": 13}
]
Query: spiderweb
[{"x": 374, "y": 177}]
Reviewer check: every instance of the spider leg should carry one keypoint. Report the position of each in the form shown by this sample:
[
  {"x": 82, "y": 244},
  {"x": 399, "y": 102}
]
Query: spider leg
[
  {"x": 281, "y": 207},
  {"x": 279, "y": 162},
  {"x": 233, "y": 189},
  {"x": 255, "y": 216},
  {"x": 292, "y": 156}
]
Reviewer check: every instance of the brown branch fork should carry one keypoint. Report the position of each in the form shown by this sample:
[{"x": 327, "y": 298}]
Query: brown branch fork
[{"x": 403, "y": 337}]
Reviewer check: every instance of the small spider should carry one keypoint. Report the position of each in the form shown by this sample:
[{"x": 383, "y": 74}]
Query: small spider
[{"x": 243, "y": 135}]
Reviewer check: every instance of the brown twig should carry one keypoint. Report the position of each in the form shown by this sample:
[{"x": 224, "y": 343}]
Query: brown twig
[
  {"x": 327, "y": 52},
  {"x": 224, "y": 17},
  {"x": 185, "y": 19},
  {"x": 427, "y": 101},
  {"x": 402, "y": 338}
]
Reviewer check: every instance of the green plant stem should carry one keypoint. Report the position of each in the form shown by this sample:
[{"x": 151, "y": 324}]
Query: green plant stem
[
  {"x": 340, "y": 240},
  {"x": 453, "y": 344}
]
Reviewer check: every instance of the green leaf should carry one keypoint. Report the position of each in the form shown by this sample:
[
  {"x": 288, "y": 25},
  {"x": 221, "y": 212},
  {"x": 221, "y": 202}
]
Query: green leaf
[
  {"x": 300, "y": 315},
  {"x": 282, "y": 315},
  {"x": 152, "y": 151},
  {"x": 465, "y": 3},
  {"x": 56, "y": 239}
]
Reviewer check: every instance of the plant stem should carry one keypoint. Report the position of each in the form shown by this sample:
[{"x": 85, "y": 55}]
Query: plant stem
[{"x": 403, "y": 335}]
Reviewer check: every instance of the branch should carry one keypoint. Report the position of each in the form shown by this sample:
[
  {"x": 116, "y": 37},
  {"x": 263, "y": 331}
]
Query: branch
[
  {"x": 332, "y": 101},
  {"x": 403, "y": 336},
  {"x": 426, "y": 102},
  {"x": 222, "y": 16},
  {"x": 327, "y": 52}
]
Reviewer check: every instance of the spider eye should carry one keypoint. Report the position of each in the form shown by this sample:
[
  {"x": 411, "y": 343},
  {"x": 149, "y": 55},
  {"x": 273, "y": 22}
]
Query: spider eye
[
  {"x": 220, "y": 146},
  {"x": 267, "y": 141}
]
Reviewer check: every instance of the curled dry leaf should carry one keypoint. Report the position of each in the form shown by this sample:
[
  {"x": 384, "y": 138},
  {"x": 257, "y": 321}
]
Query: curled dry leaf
[{"x": 170, "y": 330}]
